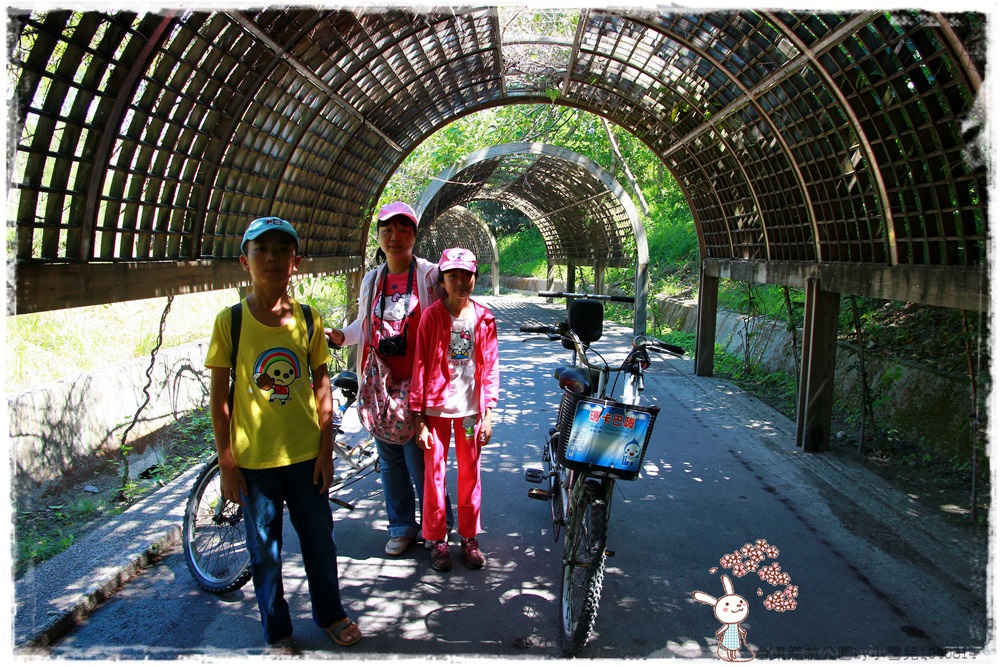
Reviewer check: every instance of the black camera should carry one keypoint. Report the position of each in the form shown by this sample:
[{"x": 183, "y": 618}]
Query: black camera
[{"x": 394, "y": 346}]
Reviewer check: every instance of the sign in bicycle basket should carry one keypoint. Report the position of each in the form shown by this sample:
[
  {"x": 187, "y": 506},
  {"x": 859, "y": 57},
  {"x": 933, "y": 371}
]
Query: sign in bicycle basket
[{"x": 608, "y": 437}]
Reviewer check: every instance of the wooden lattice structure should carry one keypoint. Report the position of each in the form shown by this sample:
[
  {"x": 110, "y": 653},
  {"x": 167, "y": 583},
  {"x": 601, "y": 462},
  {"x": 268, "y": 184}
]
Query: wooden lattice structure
[
  {"x": 585, "y": 217},
  {"x": 841, "y": 152},
  {"x": 461, "y": 227}
]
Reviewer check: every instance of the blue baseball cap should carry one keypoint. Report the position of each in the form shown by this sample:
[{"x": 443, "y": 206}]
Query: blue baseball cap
[{"x": 264, "y": 225}]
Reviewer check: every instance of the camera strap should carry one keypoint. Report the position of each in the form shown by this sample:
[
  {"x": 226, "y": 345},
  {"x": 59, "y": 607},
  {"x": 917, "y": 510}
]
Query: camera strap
[{"x": 406, "y": 304}]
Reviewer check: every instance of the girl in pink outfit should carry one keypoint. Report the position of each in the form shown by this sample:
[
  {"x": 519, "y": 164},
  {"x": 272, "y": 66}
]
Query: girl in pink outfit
[{"x": 456, "y": 373}]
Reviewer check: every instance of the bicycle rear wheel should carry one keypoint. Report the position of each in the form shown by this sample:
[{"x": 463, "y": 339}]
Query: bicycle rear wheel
[
  {"x": 583, "y": 567},
  {"x": 215, "y": 546},
  {"x": 361, "y": 462}
]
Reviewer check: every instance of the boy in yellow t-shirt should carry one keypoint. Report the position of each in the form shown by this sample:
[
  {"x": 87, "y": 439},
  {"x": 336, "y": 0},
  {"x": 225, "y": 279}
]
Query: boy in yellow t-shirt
[{"x": 275, "y": 443}]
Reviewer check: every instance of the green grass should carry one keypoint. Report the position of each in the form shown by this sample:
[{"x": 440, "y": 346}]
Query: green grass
[
  {"x": 47, "y": 531},
  {"x": 523, "y": 254},
  {"x": 56, "y": 345}
]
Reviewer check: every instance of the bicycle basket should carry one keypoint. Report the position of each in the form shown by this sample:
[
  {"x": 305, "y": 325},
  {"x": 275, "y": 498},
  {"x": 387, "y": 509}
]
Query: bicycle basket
[{"x": 604, "y": 437}]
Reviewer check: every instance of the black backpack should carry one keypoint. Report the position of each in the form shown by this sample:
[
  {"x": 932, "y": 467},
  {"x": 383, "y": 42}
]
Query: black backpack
[{"x": 236, "y": 313}]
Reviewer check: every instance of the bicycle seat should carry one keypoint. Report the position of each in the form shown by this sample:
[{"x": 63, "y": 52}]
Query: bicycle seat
[
  {"x": 576, "y": 380},
  {"x": 347, "y": 381},
  {"x": 586, "y": 319}
]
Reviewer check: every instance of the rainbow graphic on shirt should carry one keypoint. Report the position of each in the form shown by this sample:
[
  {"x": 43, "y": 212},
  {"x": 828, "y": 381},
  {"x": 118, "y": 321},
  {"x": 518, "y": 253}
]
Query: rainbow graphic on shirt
[
  {"x": 266, "y": 361},
  {"x": 275, "y": 370}
]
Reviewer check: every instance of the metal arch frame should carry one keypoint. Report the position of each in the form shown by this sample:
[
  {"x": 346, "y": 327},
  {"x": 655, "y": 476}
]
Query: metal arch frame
[
  {"x": 109, "y": 135},
  {"x": 612, "y": 186},
  {"x": 575, "y": 46},
  {"x": 888, "y": 226},
  {"x": 282, "y": 54}
]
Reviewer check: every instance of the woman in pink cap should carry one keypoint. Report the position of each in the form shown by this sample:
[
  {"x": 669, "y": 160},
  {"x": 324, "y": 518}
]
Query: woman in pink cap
[
  {"x": 456, "y": 378},
  {"x": 393, "y": 295}
]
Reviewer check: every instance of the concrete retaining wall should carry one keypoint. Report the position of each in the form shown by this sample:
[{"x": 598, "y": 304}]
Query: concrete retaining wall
[
  {"x": 530, "y": 285},
  {"x": 60, "y": 426},
  {"x": 925, "y": 406}
]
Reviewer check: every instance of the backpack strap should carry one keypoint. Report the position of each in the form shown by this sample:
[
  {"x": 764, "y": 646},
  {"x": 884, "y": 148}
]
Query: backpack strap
[
  {"x": 310, "y": 327},
  {"x": 236, "y": 316}
]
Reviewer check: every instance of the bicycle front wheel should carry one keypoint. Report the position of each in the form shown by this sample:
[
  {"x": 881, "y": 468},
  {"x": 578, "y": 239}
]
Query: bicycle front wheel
[
  {"x": 215, "y": 545},
  {"x": 583, "y": 567}
]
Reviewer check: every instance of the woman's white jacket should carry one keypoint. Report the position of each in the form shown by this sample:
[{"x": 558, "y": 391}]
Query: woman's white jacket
[{"x": 358, "y": 332}]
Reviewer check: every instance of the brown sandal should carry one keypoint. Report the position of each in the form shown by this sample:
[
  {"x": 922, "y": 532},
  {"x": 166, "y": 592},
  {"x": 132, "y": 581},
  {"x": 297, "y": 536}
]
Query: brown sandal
[{"x": 336, "y": 632}]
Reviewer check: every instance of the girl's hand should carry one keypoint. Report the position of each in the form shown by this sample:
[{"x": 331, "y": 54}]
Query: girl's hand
[{"x": 486, "y": 429}]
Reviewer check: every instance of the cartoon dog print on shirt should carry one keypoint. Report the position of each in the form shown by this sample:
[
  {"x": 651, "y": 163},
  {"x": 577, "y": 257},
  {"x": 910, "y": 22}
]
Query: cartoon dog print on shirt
[{"x": 276, "y": 370}]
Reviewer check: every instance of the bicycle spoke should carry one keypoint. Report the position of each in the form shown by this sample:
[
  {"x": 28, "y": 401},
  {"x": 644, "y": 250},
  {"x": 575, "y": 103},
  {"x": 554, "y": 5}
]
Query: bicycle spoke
[{"x": 215, "y": 546}]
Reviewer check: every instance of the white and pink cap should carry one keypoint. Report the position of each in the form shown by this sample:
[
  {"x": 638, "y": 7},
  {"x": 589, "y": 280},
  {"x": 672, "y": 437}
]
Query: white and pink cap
[
  {"x": 397, "y": 208},
  {"x": 457, "y": 258}
]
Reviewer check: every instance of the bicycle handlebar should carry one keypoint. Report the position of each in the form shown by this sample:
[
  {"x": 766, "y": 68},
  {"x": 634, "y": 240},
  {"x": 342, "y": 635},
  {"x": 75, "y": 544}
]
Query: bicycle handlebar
[
  {"x": 640, "y": 342},
  {"x": 582, "y": 295}
]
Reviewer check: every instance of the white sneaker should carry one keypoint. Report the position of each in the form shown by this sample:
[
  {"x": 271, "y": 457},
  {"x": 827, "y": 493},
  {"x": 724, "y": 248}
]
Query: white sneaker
[{"x": 397, "y": 545}]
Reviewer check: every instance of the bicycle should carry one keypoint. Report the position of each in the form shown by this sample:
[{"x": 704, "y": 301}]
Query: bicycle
[
  {"x": 596, "y": 441},
  {"x": 214, "y": 540}
]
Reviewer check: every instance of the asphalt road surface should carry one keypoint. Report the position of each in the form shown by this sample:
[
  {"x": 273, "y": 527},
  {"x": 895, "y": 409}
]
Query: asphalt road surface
[{"x": 876, "y": 576}]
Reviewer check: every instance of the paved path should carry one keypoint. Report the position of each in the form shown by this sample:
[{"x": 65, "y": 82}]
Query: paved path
[{"x": 876, "y": 574}]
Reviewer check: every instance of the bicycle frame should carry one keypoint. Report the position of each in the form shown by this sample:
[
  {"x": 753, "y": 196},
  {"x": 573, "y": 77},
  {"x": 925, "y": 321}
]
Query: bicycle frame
[{"x": 581, "y": 487}]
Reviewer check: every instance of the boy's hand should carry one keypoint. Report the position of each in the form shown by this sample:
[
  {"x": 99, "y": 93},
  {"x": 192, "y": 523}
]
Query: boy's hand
[
  {"x": 323, "y": 473},
  {"x": 234, "y": 485}
]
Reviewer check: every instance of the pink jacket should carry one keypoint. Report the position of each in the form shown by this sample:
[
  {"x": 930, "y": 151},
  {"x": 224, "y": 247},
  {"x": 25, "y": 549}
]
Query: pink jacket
[{"x": 430, "y": 366}]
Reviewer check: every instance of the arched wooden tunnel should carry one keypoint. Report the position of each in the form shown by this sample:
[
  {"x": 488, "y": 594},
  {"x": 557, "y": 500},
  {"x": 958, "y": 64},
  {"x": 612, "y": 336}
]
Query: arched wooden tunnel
[
  {"x": 461, "y": 227},
  {"x": 841, "y": 152},
  {"x": 584, "y": 216}
]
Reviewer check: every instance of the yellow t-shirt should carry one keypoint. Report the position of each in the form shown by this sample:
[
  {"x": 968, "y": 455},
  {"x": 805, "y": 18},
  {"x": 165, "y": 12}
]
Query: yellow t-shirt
[{"x": 275, "y": 421}]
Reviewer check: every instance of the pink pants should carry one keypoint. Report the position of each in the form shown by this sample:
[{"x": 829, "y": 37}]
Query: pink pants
[{"x": 435, "y": 466}]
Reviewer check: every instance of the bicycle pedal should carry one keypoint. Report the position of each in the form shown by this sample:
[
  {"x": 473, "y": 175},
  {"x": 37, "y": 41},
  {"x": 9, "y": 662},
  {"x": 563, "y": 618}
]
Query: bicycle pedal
[
  {"x": 534, "y": 475},
  {"x": 538, "y": 494},
  {"x": 609, "y": 553},
  {"x": 343, "y": 503}
]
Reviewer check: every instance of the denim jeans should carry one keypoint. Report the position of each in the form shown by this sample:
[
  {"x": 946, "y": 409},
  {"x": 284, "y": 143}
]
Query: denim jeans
[
  {"x": 309, "y": 510},
  {"x": 402, "y": 472}
]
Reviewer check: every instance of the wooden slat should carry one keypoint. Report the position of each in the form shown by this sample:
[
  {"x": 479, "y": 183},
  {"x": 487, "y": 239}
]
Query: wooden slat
[
  {"x": 43, "y": 287},
  {"x": 950, "y": 287}
]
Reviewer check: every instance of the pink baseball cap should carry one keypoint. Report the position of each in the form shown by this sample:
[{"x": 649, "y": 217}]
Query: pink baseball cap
[
  {"x": 397, "y": 208},
  {"x": 457, "y": 258}
]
